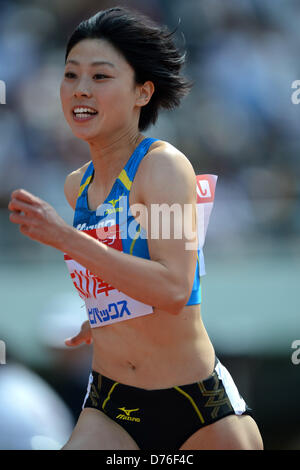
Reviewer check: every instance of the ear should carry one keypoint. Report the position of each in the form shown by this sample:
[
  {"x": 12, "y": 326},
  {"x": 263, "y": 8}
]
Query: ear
[{"x": 144, "y": 93}]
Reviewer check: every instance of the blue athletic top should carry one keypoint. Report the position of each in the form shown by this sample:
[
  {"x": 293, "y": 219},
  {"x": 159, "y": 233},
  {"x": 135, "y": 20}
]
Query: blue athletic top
[{"x": 114, "y": 224}]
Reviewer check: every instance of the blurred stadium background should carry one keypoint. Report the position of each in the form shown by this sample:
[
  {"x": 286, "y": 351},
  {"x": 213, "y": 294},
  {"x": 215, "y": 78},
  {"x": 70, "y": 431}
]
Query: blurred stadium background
[{"x": 239, "y": 123}]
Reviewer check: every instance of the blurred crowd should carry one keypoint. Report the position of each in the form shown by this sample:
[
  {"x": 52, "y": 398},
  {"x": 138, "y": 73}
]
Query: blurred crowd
[{"x": 238, "y": 122}]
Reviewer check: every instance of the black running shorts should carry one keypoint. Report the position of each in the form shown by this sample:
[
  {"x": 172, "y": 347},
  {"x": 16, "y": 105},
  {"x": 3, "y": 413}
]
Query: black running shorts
[{"x": 166, "y": 418}]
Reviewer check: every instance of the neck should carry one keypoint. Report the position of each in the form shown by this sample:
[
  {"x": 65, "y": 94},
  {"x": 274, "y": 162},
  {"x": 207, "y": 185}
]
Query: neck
[{"x": 110, "y": 156}]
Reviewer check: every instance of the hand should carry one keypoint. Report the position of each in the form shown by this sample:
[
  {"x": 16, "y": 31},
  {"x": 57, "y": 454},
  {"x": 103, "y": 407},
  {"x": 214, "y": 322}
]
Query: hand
[
  {"x": 37, "y": 219},
  {"x": 84, "y": 336}
]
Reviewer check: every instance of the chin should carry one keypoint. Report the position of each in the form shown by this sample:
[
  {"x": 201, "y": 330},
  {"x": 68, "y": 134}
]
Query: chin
[
  {"x": 85, "y": 134},
  {"x": 88, "y": 133}
]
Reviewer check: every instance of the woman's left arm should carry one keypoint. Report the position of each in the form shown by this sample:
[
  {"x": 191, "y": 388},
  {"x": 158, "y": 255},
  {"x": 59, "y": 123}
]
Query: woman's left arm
[{"x": 165, "y": 281}]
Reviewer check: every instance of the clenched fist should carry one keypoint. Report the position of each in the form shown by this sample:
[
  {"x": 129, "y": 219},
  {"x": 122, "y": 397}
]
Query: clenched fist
[{"x": 37, "y": 219}]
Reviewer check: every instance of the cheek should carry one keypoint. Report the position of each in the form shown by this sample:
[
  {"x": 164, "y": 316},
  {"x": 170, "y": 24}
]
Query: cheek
[
  {"x": 64, "y": 95},
  {"x": 117, "y": 100},
  {"x": 62, "y": 91},
  {"x": 65, "y": 102}
]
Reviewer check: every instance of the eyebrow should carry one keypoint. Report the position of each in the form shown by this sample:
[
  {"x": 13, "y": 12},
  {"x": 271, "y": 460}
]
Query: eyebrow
[{"x": 95, "y": 63}]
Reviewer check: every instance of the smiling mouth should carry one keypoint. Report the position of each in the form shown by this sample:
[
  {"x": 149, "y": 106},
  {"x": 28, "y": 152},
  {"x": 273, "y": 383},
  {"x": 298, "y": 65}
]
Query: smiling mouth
[{"x": 84, "y": 114}]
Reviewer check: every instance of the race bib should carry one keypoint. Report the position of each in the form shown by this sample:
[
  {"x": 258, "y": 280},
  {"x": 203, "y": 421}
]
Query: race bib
[
  {"x": 206, "y": 185},
  {"x": 104, "y": 303}
]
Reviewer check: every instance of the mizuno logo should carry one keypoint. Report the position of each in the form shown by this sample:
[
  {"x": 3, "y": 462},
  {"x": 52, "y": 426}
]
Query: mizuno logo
[
  {"x": 127, "y": 416},
  {"x": 114, "y": 201},
  {"x": 127, "y": 412}
]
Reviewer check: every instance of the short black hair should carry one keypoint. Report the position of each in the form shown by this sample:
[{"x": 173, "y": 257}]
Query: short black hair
[{"x": 147, "y": 47}]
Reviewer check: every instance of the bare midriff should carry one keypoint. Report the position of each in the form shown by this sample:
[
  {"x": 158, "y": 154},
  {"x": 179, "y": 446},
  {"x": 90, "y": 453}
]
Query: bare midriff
[{"x": 155, "y": 351}]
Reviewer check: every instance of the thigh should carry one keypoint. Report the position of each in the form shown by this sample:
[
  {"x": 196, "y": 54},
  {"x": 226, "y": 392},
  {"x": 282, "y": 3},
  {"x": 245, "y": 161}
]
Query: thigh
[
  {"x": 96, "y": 431},
  {"x": 229, "y": 433}
]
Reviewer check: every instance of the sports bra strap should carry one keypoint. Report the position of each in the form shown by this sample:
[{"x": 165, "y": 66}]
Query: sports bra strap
[{"x": 86, "y": 178}]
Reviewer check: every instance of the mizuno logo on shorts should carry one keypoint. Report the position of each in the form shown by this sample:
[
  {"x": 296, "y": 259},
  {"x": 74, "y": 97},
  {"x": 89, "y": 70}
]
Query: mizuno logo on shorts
[{"x": 127, "y": 416}]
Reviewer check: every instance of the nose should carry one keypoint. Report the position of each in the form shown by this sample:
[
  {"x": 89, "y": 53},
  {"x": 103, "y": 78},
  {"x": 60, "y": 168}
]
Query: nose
[{"x": 82, "y": 89}]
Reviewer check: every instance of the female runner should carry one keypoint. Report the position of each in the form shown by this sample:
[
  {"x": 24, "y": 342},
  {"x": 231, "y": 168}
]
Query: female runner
[{"x": 155, "y": 381}]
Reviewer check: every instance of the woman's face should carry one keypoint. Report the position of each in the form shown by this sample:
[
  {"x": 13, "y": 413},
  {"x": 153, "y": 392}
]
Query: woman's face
[{"x": 98, "y": 92}]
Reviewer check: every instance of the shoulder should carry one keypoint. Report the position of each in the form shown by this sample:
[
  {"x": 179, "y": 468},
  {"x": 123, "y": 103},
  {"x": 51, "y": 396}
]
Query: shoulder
[
  {"x": 72, "y": 184},
  {"x": 165, "y": 168}
]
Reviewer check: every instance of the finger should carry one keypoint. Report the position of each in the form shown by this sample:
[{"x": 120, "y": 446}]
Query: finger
[
  {"x": 18, "y": 205},
  {"x": 26, "y": 230},
  {"x": 74, "y": 341},
  {"x": 69, "y": 342},
  {"x": 18, "y": 218},
  {"x": 24, "y": 195}
]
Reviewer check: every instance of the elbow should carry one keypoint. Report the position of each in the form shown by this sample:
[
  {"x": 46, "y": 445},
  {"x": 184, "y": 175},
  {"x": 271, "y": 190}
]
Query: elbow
[{"x": 178, "y": 299}]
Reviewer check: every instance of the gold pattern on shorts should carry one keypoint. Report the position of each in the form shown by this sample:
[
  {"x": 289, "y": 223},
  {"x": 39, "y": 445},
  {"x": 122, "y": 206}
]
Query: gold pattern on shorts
[
  {"x": 94, "y": 395},
  {"x": 94, "y": 392},
  {"x": 216, "y": 396},
  {"x": 99, "y": 382}
]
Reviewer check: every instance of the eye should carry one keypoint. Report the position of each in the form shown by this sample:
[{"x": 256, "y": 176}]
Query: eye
[
  {"x": 100, "y": 76},
  {"x": 70, "y": 75}
]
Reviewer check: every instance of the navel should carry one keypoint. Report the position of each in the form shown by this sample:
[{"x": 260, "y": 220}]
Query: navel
[{"x": 132, "y": 366}]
